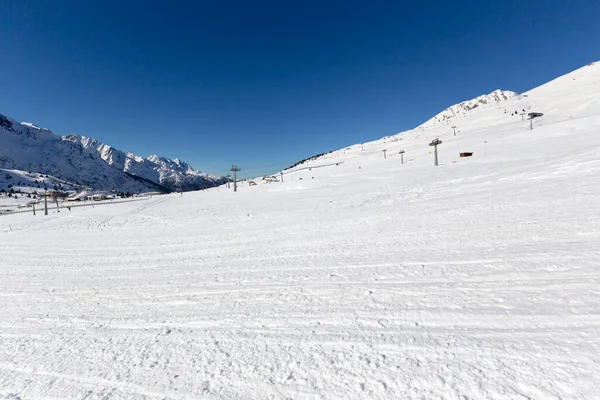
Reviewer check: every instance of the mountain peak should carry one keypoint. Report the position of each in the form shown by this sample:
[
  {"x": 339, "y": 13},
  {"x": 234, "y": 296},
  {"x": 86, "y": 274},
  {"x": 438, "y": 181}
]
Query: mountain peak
[
  {"x": 464, "y": 107},
  {"x": 153, "y": 158}
]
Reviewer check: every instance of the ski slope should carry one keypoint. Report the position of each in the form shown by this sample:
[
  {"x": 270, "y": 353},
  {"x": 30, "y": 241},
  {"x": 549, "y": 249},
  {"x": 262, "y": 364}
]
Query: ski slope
[{"x": 355, "y": 277}]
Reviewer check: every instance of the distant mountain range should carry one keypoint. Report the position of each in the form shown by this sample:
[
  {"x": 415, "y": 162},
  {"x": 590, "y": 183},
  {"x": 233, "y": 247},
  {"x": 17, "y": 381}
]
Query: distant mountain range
[{"x": 25, "y": 146}]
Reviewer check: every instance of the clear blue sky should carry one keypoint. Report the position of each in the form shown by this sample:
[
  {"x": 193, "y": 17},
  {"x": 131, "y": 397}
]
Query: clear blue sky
[{"x": 262, "y": 84}]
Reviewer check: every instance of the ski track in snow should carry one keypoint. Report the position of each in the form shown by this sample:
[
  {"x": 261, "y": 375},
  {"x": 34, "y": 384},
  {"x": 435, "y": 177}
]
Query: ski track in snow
[
  {"x": 111, "y": 303},
  {"x": 475, "y": 280}
]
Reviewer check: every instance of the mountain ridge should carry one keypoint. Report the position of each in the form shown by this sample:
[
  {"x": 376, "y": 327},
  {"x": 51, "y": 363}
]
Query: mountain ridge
[
  {"x": 26, "y": 146},
  {"x": 466, "y": 106}
]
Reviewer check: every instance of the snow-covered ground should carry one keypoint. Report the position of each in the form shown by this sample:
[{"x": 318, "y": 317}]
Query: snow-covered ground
[
  {"x": 19, "y": 189},
  {"x": 476, "y": 279}
]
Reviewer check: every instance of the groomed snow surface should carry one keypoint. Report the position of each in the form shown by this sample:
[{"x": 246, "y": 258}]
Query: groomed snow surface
[{"x": 476, "y": 279}]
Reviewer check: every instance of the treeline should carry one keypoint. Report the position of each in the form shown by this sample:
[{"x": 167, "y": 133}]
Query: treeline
[{"x": 308, "y": 159}]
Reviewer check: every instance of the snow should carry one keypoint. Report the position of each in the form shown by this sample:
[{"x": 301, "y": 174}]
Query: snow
[
  {"x": 160, "y": 170},
  {"x": 31, "y": 125},
  {"x": 355, "y": 277},
  {"x": 77, "y": 158},
  {"x": 20, "y": 189},
  {"x": 464, "y": 107},
  {"x": 84, "y": 194}
]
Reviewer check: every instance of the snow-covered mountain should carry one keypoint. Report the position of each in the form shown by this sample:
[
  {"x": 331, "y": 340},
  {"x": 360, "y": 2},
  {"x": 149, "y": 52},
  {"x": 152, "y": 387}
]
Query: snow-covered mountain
[
  {"x": 496, "y": 118},
  {"x": 169, "y": 173},
  {"x": 25, "y": 146},
  {"x": 496, "y": 97}
]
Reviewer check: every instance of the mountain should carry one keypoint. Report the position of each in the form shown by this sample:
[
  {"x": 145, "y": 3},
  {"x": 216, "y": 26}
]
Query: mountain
[
  {"x": 574, "y": 95},
  {"x": 166, "y": 172},
  {"x": 25, "y": 146},
  {"x": 464, "y": 107},
  {"x": 446, "y": 117},
  {"x": 569, "y": 103}
]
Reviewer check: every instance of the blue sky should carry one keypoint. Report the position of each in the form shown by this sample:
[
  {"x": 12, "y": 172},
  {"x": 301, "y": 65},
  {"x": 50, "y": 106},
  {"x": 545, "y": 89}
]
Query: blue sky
[{"x": 262, "y": 84}]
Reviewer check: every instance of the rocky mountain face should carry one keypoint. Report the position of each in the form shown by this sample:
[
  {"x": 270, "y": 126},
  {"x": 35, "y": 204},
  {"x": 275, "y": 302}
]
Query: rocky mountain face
[{"x": 25, "y": 146}]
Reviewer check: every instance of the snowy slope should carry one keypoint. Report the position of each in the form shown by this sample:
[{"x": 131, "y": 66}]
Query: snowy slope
[
  {"x": 32, "y": 182},
  {"x": 86, "y": 161},
  {"x": 355, "y": 277},
  {"x": 19, "y": 188},
  {"x": 449, "y": 115}
]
